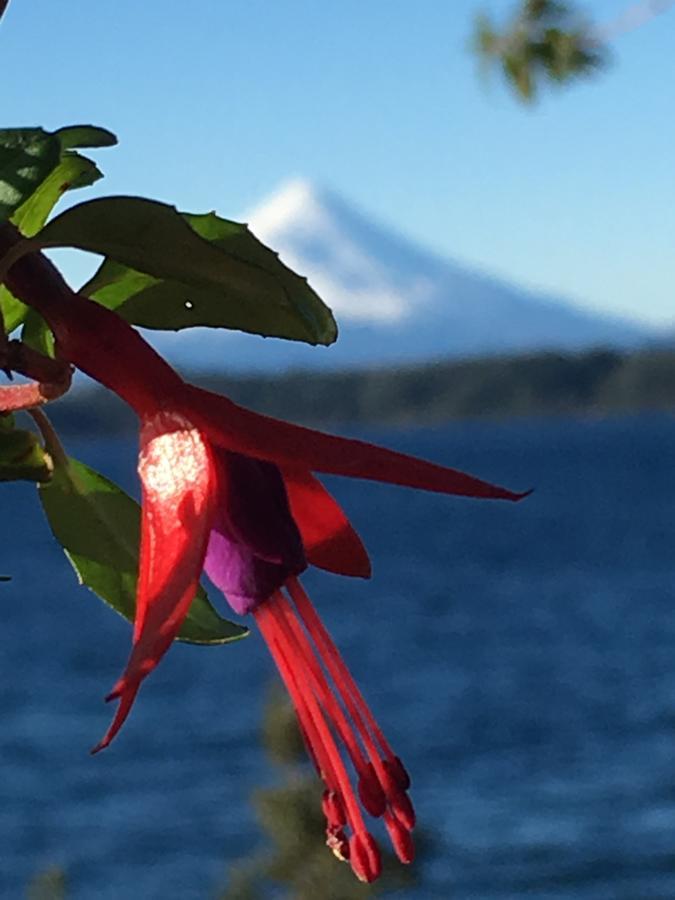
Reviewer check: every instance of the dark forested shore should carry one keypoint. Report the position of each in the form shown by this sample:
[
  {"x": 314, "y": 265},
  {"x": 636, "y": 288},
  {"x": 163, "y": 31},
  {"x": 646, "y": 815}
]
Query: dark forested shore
[{"x": 596, "y": 382}]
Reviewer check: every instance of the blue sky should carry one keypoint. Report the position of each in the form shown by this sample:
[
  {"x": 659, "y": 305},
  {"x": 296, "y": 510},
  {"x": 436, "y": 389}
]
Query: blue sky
[{"x": 215, "y": 103}]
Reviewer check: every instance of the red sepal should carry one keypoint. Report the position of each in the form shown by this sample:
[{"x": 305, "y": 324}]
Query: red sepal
[
  {"x": 179, "y": 491},
  {"x": 296, "y": 447},
  {"x": 330, "y": 541}
]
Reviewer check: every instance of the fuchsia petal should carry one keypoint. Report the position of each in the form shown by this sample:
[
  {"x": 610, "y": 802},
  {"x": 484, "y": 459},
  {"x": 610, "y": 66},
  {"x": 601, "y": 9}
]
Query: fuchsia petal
[
  {"x": 294, "y": 446},
  {"x": 179, "y": 492},
  {"x": 330, "y": 541},
  {"x": 255, "y": 545},
  {"x": 253, "y": 506}
]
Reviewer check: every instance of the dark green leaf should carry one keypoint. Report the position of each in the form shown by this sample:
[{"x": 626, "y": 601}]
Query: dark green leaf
[
  {"x": 98, "y": 526},
  {"x": 22, "y": 457},
  {"x": 27, "y": 156},
  {"x": 79, "y": 136},
  {"x": 172, "y": 271},
  {"x": 72, "y": 171}
]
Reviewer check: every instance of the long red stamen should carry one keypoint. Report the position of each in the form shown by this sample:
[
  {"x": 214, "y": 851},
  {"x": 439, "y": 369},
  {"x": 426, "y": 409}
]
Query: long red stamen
[
  {"x": 361, "y": 849},
  {"x": 370, "y": 792},
  {"x": 316, "y": 707},
  {"x": 295, "y": 674},
  {"x": 329, "y": 707},
  {"x": 400, "y": 837},
  {"x": 344, "y": 676},
  {"x": 388, "y": 771},
  {"x": 298, "y": 670},
  {"x": 333, "y": 808},
  {"x": 315, "y": 746}
]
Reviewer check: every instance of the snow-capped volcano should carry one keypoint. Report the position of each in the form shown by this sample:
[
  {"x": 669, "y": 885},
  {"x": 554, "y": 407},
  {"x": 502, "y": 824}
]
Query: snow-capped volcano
[
  {"x": 394, "y": 301},
  {"x": 312, "y": 235}
]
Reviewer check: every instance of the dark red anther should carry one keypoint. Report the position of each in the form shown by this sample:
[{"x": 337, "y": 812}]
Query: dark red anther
[
  {"x": 371, "y": 793},
  {"x": 401, "y": 839},
  {"x": 333, "y": 809},
  {"x": 398, "y": 771},
  {"x": 390, "y": 780},
  {"x": 402, "y": 808},
  {"x": 364, "y": 856},
  {"x": 338, "y": 843}
]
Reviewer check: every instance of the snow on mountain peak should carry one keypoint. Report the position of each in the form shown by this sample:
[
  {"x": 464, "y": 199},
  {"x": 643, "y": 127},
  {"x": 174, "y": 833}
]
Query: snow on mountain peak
[
  {"x": 394, "y": 300},
  {"x": 315, "y": 235},
  {"x": 297, "y": 198}
]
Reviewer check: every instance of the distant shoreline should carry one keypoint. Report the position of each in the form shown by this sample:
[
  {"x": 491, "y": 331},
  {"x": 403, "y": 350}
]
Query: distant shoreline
[{"x": 597, "y": 382}]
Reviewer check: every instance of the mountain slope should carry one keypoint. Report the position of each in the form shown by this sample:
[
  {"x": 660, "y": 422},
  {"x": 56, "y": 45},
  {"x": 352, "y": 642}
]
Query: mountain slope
[{"x": 394, "y": 301}]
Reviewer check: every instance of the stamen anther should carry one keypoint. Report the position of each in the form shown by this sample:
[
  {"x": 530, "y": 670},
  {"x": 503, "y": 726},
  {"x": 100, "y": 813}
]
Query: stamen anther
[
  {"x": 370, "y": 792},
  {"x": 333, "y": 809},
  {"x": 398, "y": 772},
  {"x": 402, "y": 808},
  {"x": 400, "y": 837},
  {"x": 364, "y": 856}
]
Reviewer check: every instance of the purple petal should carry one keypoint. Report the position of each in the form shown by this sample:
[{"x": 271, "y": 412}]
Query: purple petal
[{"x": 255, "y": 544}]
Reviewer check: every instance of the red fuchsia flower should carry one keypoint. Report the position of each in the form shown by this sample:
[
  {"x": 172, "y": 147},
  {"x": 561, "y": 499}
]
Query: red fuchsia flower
[{"x": 233, "y": 492}]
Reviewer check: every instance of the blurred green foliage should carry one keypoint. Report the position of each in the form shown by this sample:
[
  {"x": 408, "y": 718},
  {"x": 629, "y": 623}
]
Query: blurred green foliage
[
  {"x": 544, "y": 41},
  {"x": 51, "y": 884}
]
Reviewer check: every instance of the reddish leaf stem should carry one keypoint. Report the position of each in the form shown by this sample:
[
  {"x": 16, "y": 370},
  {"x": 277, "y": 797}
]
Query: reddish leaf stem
[{"x": 53, "y": 445}]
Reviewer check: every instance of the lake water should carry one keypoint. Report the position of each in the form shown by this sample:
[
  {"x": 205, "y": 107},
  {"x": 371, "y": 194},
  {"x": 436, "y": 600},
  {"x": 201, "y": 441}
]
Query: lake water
[{"x": 520, "y": 658}]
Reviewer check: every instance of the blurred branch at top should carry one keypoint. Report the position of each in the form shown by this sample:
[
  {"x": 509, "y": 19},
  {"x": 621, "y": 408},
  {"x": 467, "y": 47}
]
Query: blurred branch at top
[{"x": 551, "y": 41}]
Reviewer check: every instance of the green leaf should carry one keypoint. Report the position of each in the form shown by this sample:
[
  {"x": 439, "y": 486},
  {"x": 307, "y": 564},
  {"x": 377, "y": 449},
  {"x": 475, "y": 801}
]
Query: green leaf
[
  {"x": 22, "y": 457},
  {"x": 172, "y": 271},
  {"x": 98, "y": 526},
  {"x": 13, "y": 310},
  {"x": 37, "y": 334},
  {"x": 27, "y": 156},
  {"x": 72, "y": 136},
  {"x": 73, "y": 171}
]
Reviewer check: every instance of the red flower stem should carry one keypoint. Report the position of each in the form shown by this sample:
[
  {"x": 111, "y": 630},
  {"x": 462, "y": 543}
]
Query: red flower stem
[
  {"x": 21, "y": 358},
  {"x": 16, "y": 397},
  {"x": 51, "y": 377},
  {"x": 93, "y": 338}
]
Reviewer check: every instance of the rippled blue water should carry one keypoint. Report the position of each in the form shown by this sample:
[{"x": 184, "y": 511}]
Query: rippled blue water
[{"x": 521, "y": 658}]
